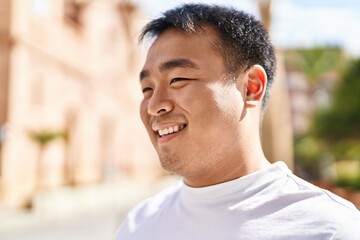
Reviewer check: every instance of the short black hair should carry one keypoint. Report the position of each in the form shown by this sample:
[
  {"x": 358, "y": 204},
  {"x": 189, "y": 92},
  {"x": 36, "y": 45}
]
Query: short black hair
[{"x": 243, "y": 40}]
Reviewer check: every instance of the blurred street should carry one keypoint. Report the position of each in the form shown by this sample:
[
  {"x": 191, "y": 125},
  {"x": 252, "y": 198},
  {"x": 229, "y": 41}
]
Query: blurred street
[
  {"x": 92, "y": 212},
  {"x": 101, "y": 226}
]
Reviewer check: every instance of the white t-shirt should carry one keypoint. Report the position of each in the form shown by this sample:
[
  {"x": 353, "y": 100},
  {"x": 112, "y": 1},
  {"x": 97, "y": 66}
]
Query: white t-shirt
[{"x": 269, "y": 204}]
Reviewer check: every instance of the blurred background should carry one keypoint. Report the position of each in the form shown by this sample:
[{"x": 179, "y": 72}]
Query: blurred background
[{"x": 74, "y": 156}]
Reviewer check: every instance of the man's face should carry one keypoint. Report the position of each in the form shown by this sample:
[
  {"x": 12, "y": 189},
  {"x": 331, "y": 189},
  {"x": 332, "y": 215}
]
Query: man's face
[{"x": 191, "y": 115}]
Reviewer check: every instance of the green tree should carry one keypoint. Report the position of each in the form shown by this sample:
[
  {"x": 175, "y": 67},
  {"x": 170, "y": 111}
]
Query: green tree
[
  {"x": 339, "y": 127},
  {"x": 342, "y": 119},
  {"x": 43, "y": 138},
  {"x": 315, "y": 62}
]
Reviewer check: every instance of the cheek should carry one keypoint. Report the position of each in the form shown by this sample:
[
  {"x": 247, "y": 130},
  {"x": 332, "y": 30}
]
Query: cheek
[
  {"x": 230, "y": 102},
  {"x": 204, "y": 109},
  {"x": 143, "y": 111},
  {"x": 221, "y": 109}
]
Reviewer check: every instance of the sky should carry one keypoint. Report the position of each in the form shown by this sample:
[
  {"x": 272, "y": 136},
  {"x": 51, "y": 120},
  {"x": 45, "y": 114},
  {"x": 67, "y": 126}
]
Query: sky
[{"x": 296, "y": 23}]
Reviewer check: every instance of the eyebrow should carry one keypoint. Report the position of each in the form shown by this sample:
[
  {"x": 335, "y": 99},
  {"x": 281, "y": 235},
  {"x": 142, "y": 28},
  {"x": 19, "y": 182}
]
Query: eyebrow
[{"x": 175, "y": 63}]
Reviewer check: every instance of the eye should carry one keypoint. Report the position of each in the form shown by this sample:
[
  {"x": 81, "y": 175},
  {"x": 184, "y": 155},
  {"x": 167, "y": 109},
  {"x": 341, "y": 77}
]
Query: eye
[
  {"x": 144, "y": 90},
  {"x": 174, "y": 80}
]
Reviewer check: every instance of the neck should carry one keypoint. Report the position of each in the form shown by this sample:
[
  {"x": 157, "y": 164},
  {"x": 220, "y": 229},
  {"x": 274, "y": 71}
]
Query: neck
[{"x": 230, "y": 168}]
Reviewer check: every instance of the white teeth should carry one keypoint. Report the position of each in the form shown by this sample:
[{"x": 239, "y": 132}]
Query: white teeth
[{"x": 169, "y": 130}]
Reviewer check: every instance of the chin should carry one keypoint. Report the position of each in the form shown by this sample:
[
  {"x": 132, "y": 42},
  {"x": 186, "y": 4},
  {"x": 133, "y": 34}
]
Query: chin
[{"x": 172, "y": 164}]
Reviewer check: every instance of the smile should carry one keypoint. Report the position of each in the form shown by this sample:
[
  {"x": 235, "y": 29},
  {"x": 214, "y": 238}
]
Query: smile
[{"x": 170, "y": 130}]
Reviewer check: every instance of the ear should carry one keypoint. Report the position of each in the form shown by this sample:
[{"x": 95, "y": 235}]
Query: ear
[{"x": 255, "y": 85}]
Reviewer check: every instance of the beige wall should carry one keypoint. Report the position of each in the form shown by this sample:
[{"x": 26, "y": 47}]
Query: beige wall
[
  {"x": 78, "y": 79},
  {"x": 4, "y": 56}
]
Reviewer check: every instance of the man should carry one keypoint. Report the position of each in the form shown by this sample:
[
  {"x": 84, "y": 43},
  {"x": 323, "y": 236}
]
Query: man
[{"x": 205, "y": 83}]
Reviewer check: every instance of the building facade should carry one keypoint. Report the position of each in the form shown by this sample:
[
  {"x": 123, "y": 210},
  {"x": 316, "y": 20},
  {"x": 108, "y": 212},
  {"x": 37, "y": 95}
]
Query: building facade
[{"x": 69, "y": 95}]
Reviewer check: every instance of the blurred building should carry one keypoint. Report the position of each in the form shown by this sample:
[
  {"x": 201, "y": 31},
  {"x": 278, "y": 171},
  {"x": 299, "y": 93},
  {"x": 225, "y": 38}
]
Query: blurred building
[
  {"x": 69, "y": 95},
  {"x": 306, "y": 98},
  {"x": 277, "y": 135},
  {"x": 277, "y": 132}
]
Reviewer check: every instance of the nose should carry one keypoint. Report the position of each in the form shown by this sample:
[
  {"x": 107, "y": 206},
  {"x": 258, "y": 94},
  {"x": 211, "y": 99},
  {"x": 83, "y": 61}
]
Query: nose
[{"x": 159, "y": 103}]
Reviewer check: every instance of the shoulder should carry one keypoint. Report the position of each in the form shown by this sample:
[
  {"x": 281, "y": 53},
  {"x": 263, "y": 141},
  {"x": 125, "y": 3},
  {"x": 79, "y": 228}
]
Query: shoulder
[
  {"x": 320, "y": 204},
  {"x": 311, "y": 191},
  {"x": 148, "y": 210},
  {"x": 301, "y": 204},
  {"x": 348, "y": 229}
]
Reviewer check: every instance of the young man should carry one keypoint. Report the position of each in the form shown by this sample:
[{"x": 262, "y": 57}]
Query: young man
[{"x": 205, "y": 82}]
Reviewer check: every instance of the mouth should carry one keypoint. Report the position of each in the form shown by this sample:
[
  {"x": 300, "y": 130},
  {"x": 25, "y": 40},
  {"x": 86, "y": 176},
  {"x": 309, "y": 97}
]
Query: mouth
[{"x": 170, "y": 130}]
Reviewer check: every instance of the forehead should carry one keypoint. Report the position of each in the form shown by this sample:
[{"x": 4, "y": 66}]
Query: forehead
[{"x": 173, "y": 43}]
